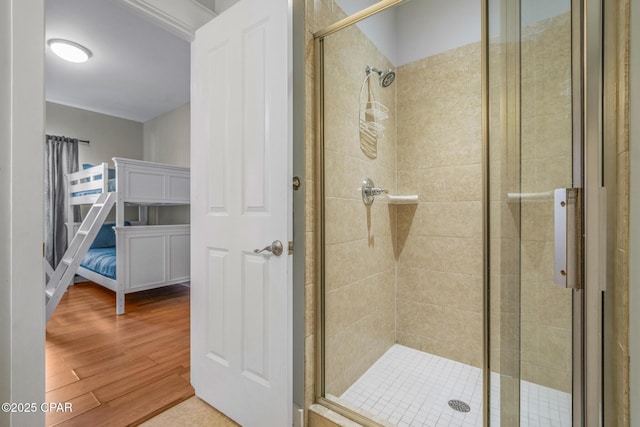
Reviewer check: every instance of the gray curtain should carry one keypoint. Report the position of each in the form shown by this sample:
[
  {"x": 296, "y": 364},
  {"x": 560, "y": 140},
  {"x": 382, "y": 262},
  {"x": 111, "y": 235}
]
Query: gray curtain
[{"x": 61, "y": 158}]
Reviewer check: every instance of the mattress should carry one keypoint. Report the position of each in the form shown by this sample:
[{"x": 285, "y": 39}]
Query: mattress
[{"x": 101, "y": 261}]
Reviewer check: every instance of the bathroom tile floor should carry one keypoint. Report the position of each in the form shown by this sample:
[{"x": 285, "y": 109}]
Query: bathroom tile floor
[{"x": 410, "y": 388}]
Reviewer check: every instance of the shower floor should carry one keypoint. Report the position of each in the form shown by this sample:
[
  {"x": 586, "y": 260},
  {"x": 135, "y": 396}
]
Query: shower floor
[{"x": 410, "y": 388}]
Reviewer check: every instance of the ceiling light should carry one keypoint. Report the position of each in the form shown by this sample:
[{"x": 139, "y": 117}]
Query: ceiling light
[{"x": 69, "y": 51}]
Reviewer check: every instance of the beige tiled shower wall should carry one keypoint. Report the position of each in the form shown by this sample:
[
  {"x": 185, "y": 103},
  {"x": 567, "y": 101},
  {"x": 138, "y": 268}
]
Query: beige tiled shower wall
[
  {"x": 359, "y": 250},
  {"x": 439, "y": 241},
  {"x": 546, "y": 150},
  {"x": 318, "y": 14}
]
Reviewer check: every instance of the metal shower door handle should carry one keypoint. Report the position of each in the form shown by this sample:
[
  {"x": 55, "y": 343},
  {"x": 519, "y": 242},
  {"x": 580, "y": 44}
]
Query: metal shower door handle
[
  {"x": 275, "y": 248},
  {"x": 568, "y": 238}
]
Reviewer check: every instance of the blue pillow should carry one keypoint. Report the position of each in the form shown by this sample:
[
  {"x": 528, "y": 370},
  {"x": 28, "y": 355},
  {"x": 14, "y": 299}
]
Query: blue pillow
[
  {"x": 112, "y": 172},
  {"x": 106, "y": 237}
]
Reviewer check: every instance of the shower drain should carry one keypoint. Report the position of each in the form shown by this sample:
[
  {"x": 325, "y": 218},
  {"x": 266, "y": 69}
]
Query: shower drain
[{"x": 459, "y": 405}]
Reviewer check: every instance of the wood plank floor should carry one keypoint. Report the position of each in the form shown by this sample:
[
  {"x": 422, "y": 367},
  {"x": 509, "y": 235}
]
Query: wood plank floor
[{"x": 117, "y": 370}]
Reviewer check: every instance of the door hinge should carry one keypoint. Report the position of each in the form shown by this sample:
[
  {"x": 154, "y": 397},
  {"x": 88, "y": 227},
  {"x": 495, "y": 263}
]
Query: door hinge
[
  {"x": 296, "y": 183},
  {"x": 290, "y": 247}
]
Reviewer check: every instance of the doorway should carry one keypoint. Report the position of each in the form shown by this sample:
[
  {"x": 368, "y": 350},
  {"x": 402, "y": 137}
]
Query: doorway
[{"x": 93, "y": 365}]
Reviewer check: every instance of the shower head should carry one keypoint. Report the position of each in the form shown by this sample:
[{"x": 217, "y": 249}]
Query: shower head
[{"x": 386, "y": 76}]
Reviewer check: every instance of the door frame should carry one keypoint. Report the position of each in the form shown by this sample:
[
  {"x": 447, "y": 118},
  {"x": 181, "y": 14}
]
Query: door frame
[
  {"x": 615, "y": 119},
  {"x": 22, "y": 325},
  {"x": 22, "y": 365},
  {"x": 634, "y": 231}
]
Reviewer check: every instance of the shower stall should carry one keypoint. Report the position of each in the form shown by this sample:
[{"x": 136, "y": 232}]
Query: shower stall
[{"x": 441, "y": 143}]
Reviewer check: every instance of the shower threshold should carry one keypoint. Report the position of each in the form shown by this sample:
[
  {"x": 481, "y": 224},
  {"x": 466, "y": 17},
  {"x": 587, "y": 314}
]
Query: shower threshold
[{"x": 410, "y": 388}]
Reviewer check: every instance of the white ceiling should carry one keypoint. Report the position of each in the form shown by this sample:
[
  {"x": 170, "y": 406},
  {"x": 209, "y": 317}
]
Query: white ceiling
[{"x": 138, "y": 70}]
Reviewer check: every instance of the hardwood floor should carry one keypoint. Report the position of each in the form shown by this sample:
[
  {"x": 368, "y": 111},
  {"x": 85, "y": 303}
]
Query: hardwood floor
[{"x": 117, "y": 370}]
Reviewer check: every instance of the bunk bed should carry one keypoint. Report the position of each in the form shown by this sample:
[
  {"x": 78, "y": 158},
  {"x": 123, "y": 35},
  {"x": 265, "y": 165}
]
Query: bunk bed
[{"x": 125, "y": 256}]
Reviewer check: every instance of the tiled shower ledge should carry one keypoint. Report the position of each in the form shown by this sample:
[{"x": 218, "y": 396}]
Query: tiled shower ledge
[{"x": 410, "y": 388}]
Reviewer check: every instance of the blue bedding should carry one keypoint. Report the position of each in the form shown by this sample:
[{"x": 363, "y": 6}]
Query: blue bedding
[
  {"x": 111, "y": 186},
  {"x": 101, "y": 261}
]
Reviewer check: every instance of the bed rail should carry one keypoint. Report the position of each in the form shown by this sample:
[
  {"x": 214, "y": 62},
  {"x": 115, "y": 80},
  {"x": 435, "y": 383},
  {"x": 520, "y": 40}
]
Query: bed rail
[
  {"x": 148, "y": 183},
  {"x": 86, "y": 185}
]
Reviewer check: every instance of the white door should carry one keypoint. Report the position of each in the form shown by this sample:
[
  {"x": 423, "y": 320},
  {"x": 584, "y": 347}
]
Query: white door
[{"x": 241, "y": 302}]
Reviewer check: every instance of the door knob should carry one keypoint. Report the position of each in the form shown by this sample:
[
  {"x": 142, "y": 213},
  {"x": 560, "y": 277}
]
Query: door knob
[{"x": 275, "y": 248}]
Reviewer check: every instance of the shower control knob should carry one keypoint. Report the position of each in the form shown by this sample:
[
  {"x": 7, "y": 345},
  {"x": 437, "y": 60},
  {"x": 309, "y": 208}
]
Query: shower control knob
[
  {"x": 376, "y": 191},
  {"x": 369, "y": 191}
]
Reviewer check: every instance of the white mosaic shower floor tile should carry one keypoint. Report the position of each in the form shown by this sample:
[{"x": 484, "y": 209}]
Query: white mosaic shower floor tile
[
  {"x": 410, "y": 388},
  {"x": 544, "y": 406}
]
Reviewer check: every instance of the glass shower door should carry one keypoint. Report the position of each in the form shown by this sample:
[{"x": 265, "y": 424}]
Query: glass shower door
[
  {"x": 534, "y": 150},
  {"x": 546, "y": 159}
]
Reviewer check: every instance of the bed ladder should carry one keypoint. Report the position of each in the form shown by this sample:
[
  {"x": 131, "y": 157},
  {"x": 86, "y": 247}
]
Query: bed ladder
[{"x": 64, "y": 273}]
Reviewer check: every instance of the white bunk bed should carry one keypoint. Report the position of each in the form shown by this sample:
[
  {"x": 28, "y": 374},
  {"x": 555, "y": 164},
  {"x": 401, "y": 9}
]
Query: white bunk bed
[{"x": 146, "y": 256}]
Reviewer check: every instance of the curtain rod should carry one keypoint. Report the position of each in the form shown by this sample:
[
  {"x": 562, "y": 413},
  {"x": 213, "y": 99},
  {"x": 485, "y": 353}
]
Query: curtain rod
[{"x": 85, "y": 141}]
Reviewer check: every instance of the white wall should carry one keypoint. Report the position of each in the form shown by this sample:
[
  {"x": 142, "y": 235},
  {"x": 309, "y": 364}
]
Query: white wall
[
  {"x": 109, "y": 136},
  {"x": 422, "y": 28},
  {"x": 543, "y": 9},
  {"x": 426, "y": 28},
  {"x": 222, "y": 5},
  {"x": 22, "y": 320},
  {"x": 634, "y": 216},
  {"x": 5, "y": 208},
  {"x": 430, "y": 27},
  {"x": 419, "y": 28},
  {"x": 167, "y": 139},
  {"x": 380, "y": 29}
]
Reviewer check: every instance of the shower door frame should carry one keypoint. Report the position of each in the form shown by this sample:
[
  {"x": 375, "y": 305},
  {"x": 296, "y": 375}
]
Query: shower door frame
[
  {"x": 320, "y": 206},
  {"x": 593, "y": 167},
  {"x": 589, "y": 157},
  {"x": 597, "y": 257}
]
